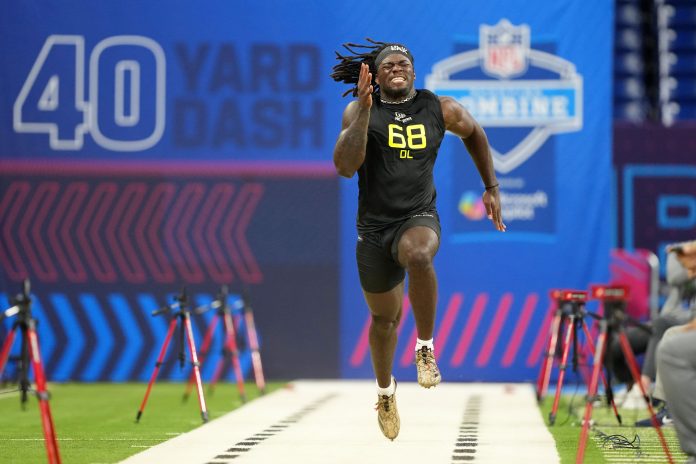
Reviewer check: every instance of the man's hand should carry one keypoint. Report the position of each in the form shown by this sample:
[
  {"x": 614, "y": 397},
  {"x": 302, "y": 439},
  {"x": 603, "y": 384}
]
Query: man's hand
[
  {"x": 491, "y": 200},
  {"x": 365, "y": 88}
]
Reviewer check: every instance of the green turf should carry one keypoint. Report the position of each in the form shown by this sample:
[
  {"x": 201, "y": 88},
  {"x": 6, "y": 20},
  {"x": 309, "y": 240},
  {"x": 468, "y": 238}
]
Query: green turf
[
  {"x": 645, "y": 449},
  {"x": 95, "y": 423}
]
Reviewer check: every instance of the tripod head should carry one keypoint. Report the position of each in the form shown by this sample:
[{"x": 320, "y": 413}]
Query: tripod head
[
  {"x": 613, "y": 298},
  {"x": 180, "y": 302},
  {"x": 570, "y": 302},
  {"x": 221, "y": 303},
  {"x": 21, "y": 304}
]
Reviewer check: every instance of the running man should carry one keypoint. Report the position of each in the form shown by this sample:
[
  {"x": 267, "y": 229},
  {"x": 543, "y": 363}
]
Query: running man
[{"x": 390, "y": 136}]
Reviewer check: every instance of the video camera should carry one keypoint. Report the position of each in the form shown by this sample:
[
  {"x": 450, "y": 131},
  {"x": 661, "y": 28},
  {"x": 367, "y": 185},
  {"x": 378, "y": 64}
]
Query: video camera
[{"x": 613, "y": 298}]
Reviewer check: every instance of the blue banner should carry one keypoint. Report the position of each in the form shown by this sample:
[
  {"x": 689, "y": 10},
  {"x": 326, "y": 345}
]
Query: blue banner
[
  {"x": 529, "y": 73},
  {"x": 145, "y": 145}
]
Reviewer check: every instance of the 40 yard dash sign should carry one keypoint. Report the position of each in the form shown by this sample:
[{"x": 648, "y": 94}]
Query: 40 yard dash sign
[{"x": 122, "y": 108}]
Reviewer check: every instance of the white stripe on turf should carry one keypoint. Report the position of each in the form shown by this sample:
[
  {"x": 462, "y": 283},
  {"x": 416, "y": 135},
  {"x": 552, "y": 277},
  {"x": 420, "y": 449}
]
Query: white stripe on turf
[{"x": 341, "y": 428}]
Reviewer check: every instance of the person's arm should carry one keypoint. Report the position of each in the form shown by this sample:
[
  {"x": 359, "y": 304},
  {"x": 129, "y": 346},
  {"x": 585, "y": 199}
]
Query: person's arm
[
  {"x": 349, "y": 152},
  {"x": 460, "y": 122}
]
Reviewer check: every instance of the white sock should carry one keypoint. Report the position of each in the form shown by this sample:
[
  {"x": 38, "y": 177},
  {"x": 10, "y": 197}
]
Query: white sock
[
  {"x": 421, "y": 343},
  {"x": 389, "y": 391}
]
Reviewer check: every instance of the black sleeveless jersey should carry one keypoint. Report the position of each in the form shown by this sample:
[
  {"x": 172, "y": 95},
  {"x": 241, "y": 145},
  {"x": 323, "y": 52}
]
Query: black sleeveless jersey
[{"x": 396, "y": 178}]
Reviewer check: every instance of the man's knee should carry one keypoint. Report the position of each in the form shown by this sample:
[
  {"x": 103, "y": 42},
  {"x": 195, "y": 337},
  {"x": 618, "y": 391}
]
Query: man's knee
[
  {"x": 385, "y": 324},
  {"x": 417, "y": 258}
]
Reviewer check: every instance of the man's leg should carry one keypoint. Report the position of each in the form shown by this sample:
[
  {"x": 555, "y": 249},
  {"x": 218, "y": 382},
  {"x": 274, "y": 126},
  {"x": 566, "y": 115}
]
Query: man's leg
[
  {"x": 416, "y": 249},
  {"x": 659, "y": 327},
  {"x": 664, "y": 416},
  {"x": 659, "y": 391},
  {"x": 385, "y": 309},
  {"x": 676, "y": 361}
]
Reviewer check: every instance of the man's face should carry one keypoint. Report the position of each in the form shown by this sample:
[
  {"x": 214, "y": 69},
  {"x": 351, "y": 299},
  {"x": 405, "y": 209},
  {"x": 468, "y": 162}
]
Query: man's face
[{"x": 395, "y": 76}]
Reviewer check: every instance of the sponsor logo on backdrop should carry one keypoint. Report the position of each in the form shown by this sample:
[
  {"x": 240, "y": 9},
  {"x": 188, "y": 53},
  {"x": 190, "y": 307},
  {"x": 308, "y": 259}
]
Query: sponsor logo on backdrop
[
  {"x": 522, "y": 96},
  {"x": 471, "y": 206},
  {"x": 546, "y": 106}
]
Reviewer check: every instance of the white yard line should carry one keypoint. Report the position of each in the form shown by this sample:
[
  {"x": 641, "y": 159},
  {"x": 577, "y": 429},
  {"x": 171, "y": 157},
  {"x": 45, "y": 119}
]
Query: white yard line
[{"x": 315, "y": 422}]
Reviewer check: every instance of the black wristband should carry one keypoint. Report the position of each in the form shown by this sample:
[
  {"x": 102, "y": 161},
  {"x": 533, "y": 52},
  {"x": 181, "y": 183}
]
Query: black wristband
[{"x": 492, "y": 187}]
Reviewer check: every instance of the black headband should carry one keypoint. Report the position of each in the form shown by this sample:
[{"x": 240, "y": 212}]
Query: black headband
[{"x": 390, "y": 50}]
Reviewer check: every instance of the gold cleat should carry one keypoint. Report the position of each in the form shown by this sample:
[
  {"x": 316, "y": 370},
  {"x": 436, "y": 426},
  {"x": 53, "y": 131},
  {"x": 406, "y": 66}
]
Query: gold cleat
[
  {"x": 388, "y": 415},
  {"x": 428, "y": 373}
]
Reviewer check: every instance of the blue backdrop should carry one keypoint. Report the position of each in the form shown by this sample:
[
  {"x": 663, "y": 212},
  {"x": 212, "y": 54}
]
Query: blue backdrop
[
  {"x": 143, "y": 148},
  {"x": 537, "y": 76}
]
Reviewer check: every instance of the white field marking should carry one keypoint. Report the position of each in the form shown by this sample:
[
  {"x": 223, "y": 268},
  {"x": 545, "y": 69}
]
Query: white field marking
[{"x": 343, "y": 429}]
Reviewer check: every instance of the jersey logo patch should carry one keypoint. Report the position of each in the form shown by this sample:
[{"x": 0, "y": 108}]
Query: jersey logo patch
[{"x": 402, "y": 118}]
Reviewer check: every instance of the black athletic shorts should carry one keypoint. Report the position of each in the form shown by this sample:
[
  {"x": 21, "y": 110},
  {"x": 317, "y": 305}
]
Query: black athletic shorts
[{"x": 377, "y": 252}]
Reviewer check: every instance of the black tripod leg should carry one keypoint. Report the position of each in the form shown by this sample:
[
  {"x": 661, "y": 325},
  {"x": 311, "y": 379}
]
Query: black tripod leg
[
  {"x": 24, "y": 384},
  {"x": 607, "y": 384}
]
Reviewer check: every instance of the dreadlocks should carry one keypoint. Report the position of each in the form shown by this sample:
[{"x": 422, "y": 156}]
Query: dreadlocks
[{"x": 348, "y": 68}]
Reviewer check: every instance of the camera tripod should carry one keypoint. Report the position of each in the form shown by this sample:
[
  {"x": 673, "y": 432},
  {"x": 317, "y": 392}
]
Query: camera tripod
[
  {"x": 183, "y": 315},
  {"x": 570, "y": 310},
  {"x": 230, "y": 334},
  {"x": 612, "y": 322},
  {"x": 229, "y": 345},
  {"x": 26, "y": 324}
]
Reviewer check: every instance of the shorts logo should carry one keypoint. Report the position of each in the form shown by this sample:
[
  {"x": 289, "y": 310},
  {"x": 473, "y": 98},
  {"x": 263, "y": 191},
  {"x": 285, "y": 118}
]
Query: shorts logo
[{"x": 528, "y": 89}]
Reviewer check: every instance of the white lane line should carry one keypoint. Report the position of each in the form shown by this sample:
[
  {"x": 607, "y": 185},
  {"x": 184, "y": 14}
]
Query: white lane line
[{"x": 343, "y": 430}]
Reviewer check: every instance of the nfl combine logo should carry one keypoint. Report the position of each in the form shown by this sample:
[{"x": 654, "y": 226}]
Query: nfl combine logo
[
  {"x": 530, "y": 90},
  {"x": 504, "y": 49}
]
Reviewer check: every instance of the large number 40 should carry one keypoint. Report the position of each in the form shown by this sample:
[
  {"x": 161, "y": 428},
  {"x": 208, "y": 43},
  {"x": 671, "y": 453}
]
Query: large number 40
[{"x": 125, "y": 110}]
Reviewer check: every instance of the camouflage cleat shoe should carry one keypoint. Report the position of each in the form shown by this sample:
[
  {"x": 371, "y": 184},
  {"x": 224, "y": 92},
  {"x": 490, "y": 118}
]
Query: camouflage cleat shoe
[
  {"x": 388, "y": 416},
  {"x": 428, "y": 373}
]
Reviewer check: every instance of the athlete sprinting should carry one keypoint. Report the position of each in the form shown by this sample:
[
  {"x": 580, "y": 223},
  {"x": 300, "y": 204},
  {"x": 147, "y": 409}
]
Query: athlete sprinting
[{"x": 390, "y": 136}]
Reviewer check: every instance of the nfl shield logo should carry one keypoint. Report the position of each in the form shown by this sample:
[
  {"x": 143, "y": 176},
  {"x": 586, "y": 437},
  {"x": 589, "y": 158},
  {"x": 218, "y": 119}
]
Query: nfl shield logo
[{"x": 504, "y": 49}]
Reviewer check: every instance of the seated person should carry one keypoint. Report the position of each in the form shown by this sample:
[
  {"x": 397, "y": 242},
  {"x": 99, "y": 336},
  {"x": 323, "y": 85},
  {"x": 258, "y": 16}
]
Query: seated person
[
  {"x": 676, "y": 366},
  {"x": 675, "y": 312}
]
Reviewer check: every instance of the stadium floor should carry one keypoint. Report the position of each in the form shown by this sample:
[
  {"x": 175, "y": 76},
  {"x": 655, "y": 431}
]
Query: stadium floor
[{"x": 333, "y": 421}]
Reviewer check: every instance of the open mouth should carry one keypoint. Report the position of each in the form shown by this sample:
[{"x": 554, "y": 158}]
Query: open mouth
[{"x": 398, "y": 80}]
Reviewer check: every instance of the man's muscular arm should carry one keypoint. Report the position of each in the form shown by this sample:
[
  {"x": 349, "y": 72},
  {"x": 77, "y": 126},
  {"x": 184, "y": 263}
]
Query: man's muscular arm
[
  {"x": 349, "y": 152},
  {"x": 461, "y": 123}
]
